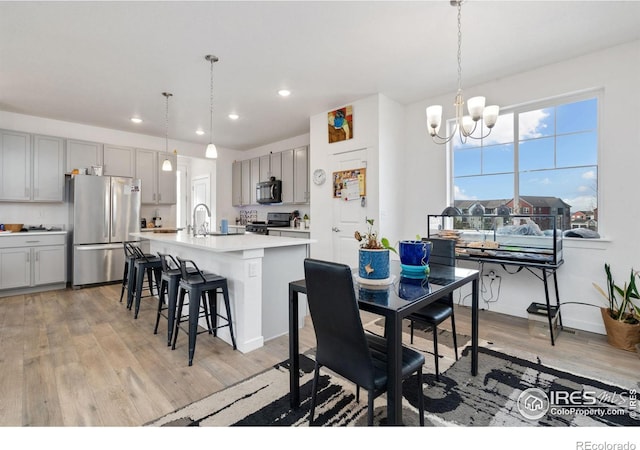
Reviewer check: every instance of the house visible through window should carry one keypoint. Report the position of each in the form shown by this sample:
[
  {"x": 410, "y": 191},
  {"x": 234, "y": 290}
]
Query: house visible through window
[{"x": 539, "y": 159}]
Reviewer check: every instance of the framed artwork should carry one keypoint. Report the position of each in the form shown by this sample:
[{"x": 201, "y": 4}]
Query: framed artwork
[
  {"x": 350, "y": 185},
  {"x": 340, "y": 124}
]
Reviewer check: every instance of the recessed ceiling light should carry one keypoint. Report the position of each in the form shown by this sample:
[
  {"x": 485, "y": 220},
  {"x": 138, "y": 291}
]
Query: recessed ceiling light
[
  {"x": 233, "y": 116},
  {"x": 199, "y": 132},
  {"x": 284, "y": 93},
  {"x": 136, "y": 120}
]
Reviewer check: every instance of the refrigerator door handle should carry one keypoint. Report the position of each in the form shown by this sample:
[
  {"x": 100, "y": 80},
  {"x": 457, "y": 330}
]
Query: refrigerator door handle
[{"x": 83, "y": 248}]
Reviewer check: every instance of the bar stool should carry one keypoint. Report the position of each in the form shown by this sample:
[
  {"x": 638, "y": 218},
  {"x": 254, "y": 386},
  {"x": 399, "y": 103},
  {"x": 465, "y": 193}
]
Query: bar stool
[
  {"x": 152, "y": 267},
  {"x": 170, "y": 280},
  {"x": 200, "y": 286},
  {"x": 129, "y": 256}
]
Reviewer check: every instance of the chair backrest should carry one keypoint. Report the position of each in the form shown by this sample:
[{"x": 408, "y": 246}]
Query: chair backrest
[
  {"x": 184, "y": 269},
  {"x": 131, "y": 250},
  {"x": 168, "y": 262},
  {"x": 341, "y": 343},
  {"x": 443, "y": 251}
]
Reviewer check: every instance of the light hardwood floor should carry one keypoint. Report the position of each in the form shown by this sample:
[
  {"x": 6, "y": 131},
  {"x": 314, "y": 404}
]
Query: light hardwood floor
[{"x": 78, "y": 358}]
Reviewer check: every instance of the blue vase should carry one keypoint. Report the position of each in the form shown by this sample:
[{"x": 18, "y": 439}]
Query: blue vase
[
  {"x": 373, "y": 264},
  {"x": 415, "y": 253}
]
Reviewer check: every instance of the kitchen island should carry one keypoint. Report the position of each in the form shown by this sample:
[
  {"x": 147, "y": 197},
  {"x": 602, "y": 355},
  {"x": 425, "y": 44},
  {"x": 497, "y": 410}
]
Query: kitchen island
[{"x": 258, "y": 269}]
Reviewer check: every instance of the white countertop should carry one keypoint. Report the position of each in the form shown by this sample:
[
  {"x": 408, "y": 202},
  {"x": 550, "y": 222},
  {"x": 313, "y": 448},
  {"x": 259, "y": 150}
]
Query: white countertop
[
  {"x": 30, "y": 233},
  {"x": 228, "y": 243}
]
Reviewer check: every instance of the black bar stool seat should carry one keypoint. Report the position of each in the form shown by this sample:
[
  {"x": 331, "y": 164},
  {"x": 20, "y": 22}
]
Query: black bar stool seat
[{"x": 200, "y": 286}]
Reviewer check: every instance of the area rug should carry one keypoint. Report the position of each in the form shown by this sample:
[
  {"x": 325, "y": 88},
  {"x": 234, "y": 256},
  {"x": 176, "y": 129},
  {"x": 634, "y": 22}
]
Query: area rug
[{"x": 509, "y": 390}]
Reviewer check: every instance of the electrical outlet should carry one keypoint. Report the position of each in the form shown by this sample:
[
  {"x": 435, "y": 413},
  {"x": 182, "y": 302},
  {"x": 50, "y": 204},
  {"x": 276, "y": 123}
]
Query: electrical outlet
[{"x": 492, "y": 275}]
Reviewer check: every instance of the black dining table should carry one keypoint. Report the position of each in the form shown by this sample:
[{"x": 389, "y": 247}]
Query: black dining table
[{"x": 393, "y": 301}]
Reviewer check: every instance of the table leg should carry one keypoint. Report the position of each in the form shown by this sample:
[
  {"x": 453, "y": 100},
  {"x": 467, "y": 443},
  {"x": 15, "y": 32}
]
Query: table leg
[
  {"x": 394, "y": 370},
  {"x": 294, "y": 350},
  {"x": 555, "y": 284},
  {"x": 474, "y": 326},
  {"x": 546, "y": 296}
]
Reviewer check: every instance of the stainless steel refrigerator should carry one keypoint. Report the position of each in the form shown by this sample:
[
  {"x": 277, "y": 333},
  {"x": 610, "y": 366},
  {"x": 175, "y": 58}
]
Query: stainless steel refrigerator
[{"x": 103, "y": 212}]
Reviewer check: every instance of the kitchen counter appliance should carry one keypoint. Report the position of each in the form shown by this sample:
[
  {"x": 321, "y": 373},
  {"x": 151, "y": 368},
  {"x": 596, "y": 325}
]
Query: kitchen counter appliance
[
  {"x": 274, "y": 219},
  {"x": 104, "y": 211}
]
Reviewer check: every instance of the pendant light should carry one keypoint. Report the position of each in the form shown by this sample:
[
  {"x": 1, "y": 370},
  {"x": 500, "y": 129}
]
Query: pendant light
[
  {"x": 211, "y": 152},
  {"x": 465, "y": 126},
  {"x": 166, "y": 165}
]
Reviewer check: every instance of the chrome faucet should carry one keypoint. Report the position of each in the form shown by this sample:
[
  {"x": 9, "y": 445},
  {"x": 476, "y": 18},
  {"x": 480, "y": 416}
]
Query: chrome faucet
[{"x": 195, "y": 208}]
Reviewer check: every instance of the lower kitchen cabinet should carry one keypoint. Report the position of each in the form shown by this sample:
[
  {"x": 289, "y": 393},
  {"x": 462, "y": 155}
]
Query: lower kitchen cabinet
[{"x": 33, "y": 262}]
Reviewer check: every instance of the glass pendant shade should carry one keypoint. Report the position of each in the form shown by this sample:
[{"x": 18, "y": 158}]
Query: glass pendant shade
[
  {"x": 166, "y": 165},
  {"x": 434, "y": 118},
  {"x": 211, "y": 152},
  {"x": 490, "y": 115},
  {"x": 476, "y": 106}
]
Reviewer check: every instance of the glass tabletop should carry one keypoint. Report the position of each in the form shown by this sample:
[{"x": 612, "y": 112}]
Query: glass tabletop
[{"x": 402, "y": 291}]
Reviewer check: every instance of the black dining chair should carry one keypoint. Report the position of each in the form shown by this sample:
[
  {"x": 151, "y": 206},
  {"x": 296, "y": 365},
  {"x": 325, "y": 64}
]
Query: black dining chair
[
  {"x": 442, "y": 253},
  {"x": 342, "y": 345}
]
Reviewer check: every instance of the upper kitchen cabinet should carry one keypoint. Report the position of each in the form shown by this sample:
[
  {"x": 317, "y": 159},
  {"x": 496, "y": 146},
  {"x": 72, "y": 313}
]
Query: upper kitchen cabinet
[
  {"x": 156, "y": 185},
  {"x": 31, "y": 167},
  {"x": 119, "y": 161},
  {"x": 48, "y": 169},
  {"x": 295, "y": 175},
  {"x": 271, "y": 166},
  {"x": 245, "y": 179},
  {"x": 254, "y": 178},
  {"x": 83, "y": 154},
  {"x": 236, "y": 183}
]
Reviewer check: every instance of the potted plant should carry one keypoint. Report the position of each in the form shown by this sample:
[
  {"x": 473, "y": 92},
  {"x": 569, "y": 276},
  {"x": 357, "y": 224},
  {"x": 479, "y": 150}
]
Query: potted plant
[
  {"x": 373, "y": 258},
  {"x": 622, "y": 315}
]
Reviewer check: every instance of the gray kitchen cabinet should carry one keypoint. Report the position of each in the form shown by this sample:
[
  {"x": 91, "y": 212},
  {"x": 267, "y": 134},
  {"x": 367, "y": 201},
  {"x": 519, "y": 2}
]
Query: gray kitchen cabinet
[
  {"x": 15, "y": 268},
  {"x": 287, "y": 176},
  {"x": 15, "y": 166},
  {"x": 48, "y": 169},
  {"x": 271, "y": 166},
  {"x": 31, "y": 167},
  {"x": 167, "y": 188},
  {"x": 118, "y": 161},
  {"x": 246, "y": 182},
  {"x": 83, "y": 155},
  {"x": 236, "y": 183},
  {"x": 157, "y": 187},
  {"x": 301, "y": 175},
  {"x": 255, "y": 178},
  {"x": 146, "y": 171},
  {"x": 32, "y": 260}
]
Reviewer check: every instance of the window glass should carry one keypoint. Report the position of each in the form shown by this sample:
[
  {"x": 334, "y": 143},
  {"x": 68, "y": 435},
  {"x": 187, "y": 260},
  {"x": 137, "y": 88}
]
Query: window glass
[{"x": 553, "y": 162}]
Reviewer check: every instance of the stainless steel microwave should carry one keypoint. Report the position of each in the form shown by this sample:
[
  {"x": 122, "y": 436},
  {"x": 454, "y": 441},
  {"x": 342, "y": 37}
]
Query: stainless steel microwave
[{"x": 269, "y": 191}]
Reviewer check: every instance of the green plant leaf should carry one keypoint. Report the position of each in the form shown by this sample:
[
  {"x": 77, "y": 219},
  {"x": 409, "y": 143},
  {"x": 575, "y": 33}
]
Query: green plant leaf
[{"x": 385, "y": 244}]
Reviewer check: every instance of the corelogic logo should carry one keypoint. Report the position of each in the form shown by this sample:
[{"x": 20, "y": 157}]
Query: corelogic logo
[{"x": 533, "y": 403}]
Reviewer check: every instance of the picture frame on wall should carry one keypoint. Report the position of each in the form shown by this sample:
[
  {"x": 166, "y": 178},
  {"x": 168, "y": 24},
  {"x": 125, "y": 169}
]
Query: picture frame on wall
[{"x": 340, "y": 126}]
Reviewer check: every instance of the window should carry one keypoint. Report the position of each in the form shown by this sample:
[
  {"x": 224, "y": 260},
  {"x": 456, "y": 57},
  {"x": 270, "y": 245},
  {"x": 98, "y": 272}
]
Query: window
[{"x": 540, "y": 158}]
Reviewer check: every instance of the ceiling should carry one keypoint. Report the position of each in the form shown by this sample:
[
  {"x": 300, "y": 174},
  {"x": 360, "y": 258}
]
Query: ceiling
[{"x": 100, "y": 63}]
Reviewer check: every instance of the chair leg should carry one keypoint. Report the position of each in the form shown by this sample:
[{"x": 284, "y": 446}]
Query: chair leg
[
  {"x": 370, "y": 409},
  {"x": 178, "y": 317},
  {"x": 139, "y": 284},
  {"x": 420, "y": 397},
  {"x": 227, "y": 305},
  {"x": 455, "y": 339},
  {"x": 163, "y": 285},
  {"x": 211, "y": 311},
  {"x": 435, "y": 350},
  {"x": 172, "y": 293},
  {"x": 314, "y": 392},
  {"x": 411, "y": 332},
  {"x": 124, "y": 279}
]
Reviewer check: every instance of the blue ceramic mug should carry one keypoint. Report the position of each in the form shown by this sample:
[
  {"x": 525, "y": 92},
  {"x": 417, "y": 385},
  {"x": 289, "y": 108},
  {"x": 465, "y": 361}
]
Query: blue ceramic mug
[{"x": 415, "y": 253}]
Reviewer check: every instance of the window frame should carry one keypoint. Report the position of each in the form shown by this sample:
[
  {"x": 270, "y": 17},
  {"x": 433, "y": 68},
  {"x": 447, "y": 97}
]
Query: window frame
[{"x": 548, "y": 102}]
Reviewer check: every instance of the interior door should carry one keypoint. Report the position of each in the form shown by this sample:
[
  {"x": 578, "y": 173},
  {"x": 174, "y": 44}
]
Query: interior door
[{"x": 348, "y": 216}]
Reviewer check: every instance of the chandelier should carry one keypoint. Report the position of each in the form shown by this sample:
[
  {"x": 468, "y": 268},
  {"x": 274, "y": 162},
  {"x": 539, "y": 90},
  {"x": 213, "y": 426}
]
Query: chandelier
[
  {"x": 166, "y": 164},
  {"x": 465, "y": 126},
  {"x": 211, "y": 151}
]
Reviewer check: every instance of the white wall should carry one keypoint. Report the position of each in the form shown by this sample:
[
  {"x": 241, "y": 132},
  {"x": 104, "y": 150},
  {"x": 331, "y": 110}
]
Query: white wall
[{"x": 617, "y": 71}]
